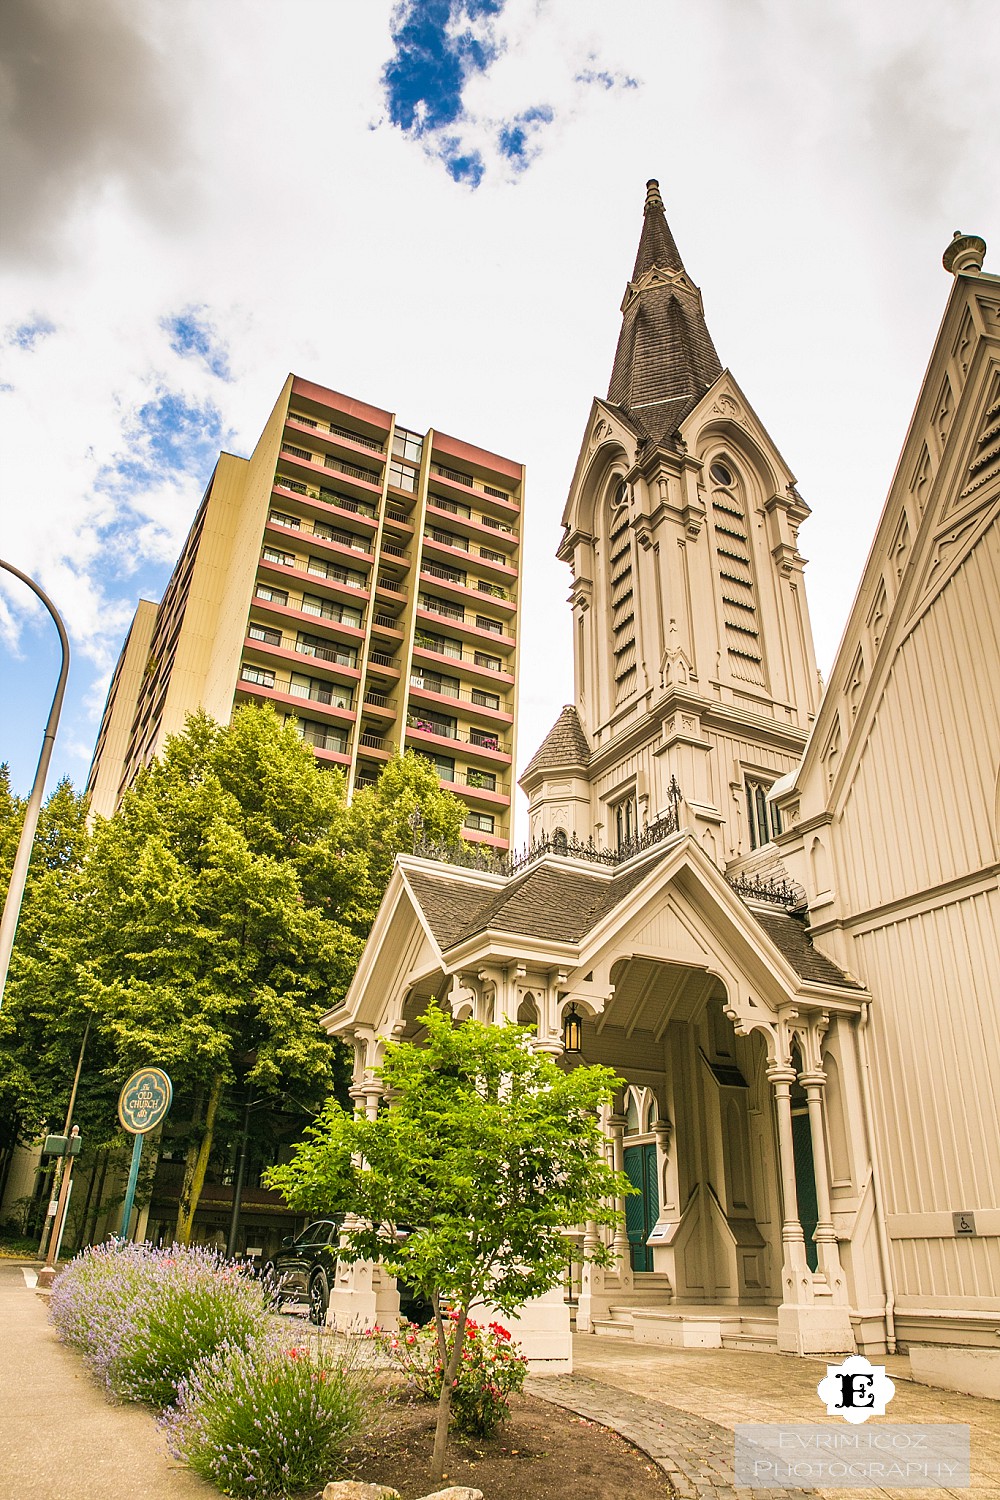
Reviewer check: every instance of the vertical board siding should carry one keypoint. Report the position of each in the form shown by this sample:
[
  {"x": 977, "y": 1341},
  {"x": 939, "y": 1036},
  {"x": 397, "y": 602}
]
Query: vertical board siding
[{"x": 932, "y": 748}]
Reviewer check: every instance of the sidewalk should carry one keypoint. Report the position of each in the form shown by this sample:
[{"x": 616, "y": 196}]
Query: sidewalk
[
  {"x": 59, "y": 1437},
  {"x": 681, "y": 1406}
]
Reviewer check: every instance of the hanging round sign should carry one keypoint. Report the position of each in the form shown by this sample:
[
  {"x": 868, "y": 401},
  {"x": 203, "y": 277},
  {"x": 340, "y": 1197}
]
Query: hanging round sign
[{"x": 144, "y": 1100}]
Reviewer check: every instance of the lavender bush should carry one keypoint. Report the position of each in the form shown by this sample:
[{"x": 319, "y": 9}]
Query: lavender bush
[
  {"x": 143, "y": 1317},
  {"x": 266, "y": 1420}
]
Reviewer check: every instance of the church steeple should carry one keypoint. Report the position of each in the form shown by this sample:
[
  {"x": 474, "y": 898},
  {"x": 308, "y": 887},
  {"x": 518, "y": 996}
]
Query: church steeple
[{"x": 665, "y": 360}]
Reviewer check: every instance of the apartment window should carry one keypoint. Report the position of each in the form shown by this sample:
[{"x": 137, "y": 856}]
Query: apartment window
[
  {"x": 453, "y": 507},
  {"x": 442, "y": 607},
  {"x": 485, "y": 700},
  {"x": 484, "y": 739},
  {"x": 442, "y": 570},
  {"x": 484, "y": 780},
  {"x": 408, "y": 445},
  {"x": 483, "y": 659},
  {"x": 324, "y": 650},
  {"x": 485, "y": 587},
  {"x": 626, "y": 825},
  {"x": 321, "y": 736},
  {"x": 263, "y": 633},
  {"x": 483, "y": 822},
  {"x": 319, "y": 691},
  {"x": 276, "y": 596},
  {"x": 291, "y": 484},
  {"x": 320, "y": 568},
  {"x": 328, "y": 609},
  {"x": 296, "y": 452},
  {"x": 434, "y": 682},
  {"x": 283, "y": 559},
  {"x": 278, "y": 518},
  {"x": 484, "y": 622},
  {"x": 402, "y": 475},
  {"x": 763, "y": 820},
  {"x": 260, "y": 675},
  {"x": 444, "y": 765},
  {"x": 449, "y": 539},
  {"x": 488, "y": 555}
]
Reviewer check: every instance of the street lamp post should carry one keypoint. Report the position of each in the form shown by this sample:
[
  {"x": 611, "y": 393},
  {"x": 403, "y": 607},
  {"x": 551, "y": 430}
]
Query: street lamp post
[{"x": 19, "y": 872}]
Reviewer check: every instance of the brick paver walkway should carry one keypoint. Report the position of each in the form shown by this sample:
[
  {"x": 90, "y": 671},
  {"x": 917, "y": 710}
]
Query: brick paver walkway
[
  {"x": 696, "y": 1455},
  {"x": 681, "y": 1406}
]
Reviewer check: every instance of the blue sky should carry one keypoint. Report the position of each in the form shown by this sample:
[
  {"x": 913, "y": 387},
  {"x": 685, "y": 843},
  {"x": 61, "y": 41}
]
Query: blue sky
[{"x": 434, "y": 205}]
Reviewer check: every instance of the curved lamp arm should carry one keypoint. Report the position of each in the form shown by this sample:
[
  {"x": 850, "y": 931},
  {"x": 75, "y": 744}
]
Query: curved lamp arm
[{"x": 19, "y": 872}]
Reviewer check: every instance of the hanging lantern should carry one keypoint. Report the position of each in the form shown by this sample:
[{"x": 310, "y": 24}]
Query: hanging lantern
[{"x": 572, "y": 1030}]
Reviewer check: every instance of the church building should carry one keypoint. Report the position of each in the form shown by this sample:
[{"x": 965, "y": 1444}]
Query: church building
[{"x": 772, "y": 909}]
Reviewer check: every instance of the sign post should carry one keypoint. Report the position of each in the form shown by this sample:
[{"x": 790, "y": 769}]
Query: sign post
[{"x": 142, "y": 1104}]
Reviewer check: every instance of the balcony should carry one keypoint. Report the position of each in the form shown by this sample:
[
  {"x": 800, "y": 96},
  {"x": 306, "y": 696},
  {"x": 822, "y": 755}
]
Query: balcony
[
  {"x": 284, "y": 607},
  {"x": 471, "y": 703},
  {"x": 371, "y": 479},
  {"x": 327, "y": 584},
  {"x": 491, "y": 667},
  {"x": 458, "y": 518},
  {"x": 338, "y": 543},
  {"x": 325, "y": 502},
  {"x": 383, "y": 664},
  {"x": 454, "y": 482},
  {"x": 296, "y": 701},
  {"x": 329, "y": 436},
  {"x": 375, "y": 744},
  {"x": 421, "y": 730},
  {"x": 378, "y": 703},
  {"x": 337, "y": 664},
  {"x": 472, "y": 626},
  {"x": 472, "y": 591},
  {"x": 387, "y": 624},
  {"x": 473, "y": 786}
]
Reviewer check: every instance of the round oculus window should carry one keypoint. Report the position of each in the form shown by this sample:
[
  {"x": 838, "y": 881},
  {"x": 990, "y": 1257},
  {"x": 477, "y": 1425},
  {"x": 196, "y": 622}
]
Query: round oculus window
[{"x": 720, "y": 473}]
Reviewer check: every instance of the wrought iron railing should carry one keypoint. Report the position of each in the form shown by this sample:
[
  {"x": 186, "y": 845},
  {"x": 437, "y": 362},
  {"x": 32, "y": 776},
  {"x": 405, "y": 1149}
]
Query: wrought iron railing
[
  {"x": 475, "y": 858},
  {"x": 777, "y": 892}
]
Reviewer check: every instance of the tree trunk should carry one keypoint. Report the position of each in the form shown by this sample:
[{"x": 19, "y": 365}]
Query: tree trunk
[
  {"x": 195, "y": 1167},
  {"x": 99, "y": 1204},
  {"x": 447, "y": 1386}
]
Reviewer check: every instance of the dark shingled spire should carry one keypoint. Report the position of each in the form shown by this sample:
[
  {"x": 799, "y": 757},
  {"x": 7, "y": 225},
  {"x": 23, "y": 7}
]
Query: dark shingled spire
[
  {"x": 564, "y": 746},
  {"x": 665, "y": 360}
]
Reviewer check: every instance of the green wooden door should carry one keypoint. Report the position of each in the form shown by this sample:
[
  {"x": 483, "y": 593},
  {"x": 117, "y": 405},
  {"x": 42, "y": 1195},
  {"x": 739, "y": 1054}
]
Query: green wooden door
[
  {"x": 805, "y": 1183},
  {"x": 641, "y": 1209}
]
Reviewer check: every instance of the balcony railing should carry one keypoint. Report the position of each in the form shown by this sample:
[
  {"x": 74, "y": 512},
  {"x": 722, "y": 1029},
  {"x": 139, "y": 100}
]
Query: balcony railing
[
  {"x": 382, "y": 659},
  {"x": 354, "y": 471},
  {"x": 392, "y": 585},
  {"x": 455, "y": 476},
  {"x": 319, "y": 652},
  {"x": 452, "y": 653},
  {"x": 476, "y": 737},
  {"x": 325, "y": 496},
  {"x": 460, "y": 694},
  {"x": 387, "y": 622},
  {"x": 319, "y": 530},
  {"x": 345, "y": 432}
]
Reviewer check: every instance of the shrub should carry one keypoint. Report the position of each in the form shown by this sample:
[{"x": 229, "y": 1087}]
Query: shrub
[
  {"x": 492, "y": 1369},
  {"x": 143, "y": 1316},
  {"x": 267, "y": 1420}
]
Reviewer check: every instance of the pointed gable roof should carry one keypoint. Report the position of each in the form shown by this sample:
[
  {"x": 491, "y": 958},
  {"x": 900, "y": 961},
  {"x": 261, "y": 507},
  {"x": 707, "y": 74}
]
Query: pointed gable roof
[
  {"x": 665, "y": 360},
  {"x": 564, "y": 746}
]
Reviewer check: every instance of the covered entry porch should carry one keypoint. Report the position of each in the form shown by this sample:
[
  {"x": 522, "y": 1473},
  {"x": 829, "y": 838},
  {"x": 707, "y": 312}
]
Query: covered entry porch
[{"x": 733, "y": 1037}]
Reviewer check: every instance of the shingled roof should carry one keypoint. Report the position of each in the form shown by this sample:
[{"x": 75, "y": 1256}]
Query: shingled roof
[
  {"x": 562, "y": 903},
  {"x": 665, "y": 360},
  {"x": 564, "y": 746}
]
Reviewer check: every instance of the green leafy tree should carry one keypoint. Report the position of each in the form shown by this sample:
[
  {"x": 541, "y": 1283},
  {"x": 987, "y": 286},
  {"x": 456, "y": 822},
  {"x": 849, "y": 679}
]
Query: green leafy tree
[
  {"x": 45, "y": 1014},
  {"x": 405, "y": 804},
  {"x": 488, "y": 1153},
  {"x": 227, "y": 902}
]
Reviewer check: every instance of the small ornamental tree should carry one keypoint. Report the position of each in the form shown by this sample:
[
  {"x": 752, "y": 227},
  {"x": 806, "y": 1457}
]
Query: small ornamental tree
[{"x": 465, "y": 1185}]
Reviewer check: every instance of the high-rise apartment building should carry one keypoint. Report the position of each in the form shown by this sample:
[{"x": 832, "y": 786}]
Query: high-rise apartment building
[{"x": 360, "y": 577}]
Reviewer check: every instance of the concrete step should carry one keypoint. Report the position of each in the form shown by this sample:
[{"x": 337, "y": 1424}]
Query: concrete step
[
  {"x": 749, "y": 1342},
  {"x": 612, "y": 1328}
]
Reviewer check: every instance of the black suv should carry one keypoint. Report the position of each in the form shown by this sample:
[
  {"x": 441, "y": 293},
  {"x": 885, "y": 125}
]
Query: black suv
[{"x": 303, "y": 1270}]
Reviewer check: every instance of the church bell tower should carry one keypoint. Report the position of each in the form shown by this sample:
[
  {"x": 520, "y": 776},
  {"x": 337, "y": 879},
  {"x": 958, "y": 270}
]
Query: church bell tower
[{"x": 692, "y": 645}]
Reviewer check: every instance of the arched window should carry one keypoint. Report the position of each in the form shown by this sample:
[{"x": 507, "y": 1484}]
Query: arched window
[
  {"x": 739, "y": 599},
  {"x": 621, "y": 597}
]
